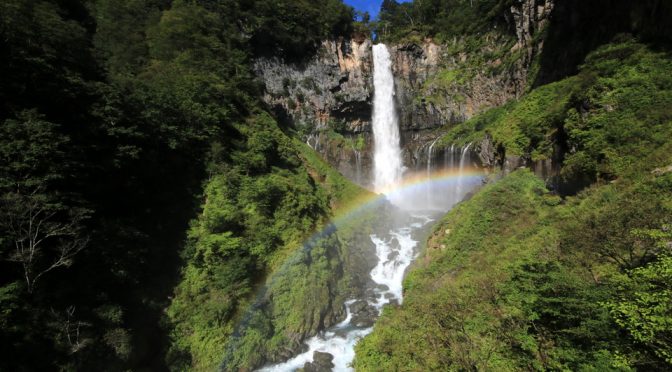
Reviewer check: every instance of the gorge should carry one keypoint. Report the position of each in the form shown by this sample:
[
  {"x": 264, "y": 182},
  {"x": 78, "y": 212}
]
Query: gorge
[
  {"x": 412, "y": 214},
  {"x": 284, "y": 185}
]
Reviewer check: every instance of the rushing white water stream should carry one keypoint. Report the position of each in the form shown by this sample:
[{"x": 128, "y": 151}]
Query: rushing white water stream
[
  {"x": 395, "y": 252},
  {"x": 395, "y": 249}
]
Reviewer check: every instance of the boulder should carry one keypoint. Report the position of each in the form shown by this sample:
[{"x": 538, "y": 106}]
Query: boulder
[{"x": 322, "y": 362}]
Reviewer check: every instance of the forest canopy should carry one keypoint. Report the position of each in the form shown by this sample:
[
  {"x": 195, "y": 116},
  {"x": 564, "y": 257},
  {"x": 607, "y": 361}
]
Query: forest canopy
[{"x": 113, "y": 114}]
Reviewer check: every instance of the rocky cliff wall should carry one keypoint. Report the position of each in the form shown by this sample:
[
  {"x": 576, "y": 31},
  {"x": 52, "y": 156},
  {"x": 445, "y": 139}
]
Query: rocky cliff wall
[
  {"x": 328, "y": 101},
  {"x": 467, "y": 76},
  {"x": 333, "y": 89},
  {"x": 328, "y": 98}
]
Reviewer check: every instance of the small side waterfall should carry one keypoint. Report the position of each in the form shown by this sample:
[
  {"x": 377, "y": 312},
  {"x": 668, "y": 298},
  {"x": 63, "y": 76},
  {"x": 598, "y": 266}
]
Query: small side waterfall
[
  {"x": 387, "y": 153},
  {"x": 358, "y": 165},
  {"x": 313, "y": 141},
  {"x": 430, "y": 155},
  {"x": 460, "y": 180},
  {"x": 446, "y": 174}
]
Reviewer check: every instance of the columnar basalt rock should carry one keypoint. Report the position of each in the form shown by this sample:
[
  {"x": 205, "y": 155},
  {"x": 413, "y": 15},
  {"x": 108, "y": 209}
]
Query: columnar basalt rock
[
  {"x": 440, "y": 85},
  {"x": 529, "y": 18}
]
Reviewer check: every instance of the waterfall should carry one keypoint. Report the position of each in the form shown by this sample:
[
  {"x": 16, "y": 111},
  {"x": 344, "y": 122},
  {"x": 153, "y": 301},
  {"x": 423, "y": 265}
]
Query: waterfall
[
  {"x": 429, "y": 157},
  {"x": 358, "y": 165},
  {"x": 416, "y": 157},
  {"x": 463, "y": 158},
  {"x": 447, "y": 158},
  {"x": 314, "y": 138},
  {"x": 387, "y": 153},
  {"x": 430, "y": 192}
]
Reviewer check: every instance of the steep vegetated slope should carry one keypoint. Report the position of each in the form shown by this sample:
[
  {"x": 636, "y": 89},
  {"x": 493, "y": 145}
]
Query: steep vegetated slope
[
  {"x": 595, "y": 125},
  {"x": 114, "y": 116},
  {"x": 578, "y": 27},
  {"x": 256, "y": 224},
  {"x": 521, "y": 278}
]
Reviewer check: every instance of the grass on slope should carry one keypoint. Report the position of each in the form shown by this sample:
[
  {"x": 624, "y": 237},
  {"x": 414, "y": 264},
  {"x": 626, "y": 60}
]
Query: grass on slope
[
  {"x": 450, "y": 315},
  {"x": 518, "y": 278}
]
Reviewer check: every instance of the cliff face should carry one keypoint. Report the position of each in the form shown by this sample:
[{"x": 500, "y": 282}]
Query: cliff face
[
  {"x": 413, "y": 65},
  {"x": 468, "y": 75},
  {"x": 579, "y": 27},
  {"x": 328, "y": 98},
  {"x": 332, "y": 89}
]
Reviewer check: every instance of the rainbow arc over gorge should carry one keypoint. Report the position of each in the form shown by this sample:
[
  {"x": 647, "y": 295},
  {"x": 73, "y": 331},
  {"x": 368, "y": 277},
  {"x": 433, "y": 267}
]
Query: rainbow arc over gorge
[{"x": 411, "y": 184}]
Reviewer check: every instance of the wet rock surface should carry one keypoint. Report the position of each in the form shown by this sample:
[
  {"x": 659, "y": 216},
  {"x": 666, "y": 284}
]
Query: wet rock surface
[
  {"x": 322, "y": 362},
  {"x": 363, "y": 314}
]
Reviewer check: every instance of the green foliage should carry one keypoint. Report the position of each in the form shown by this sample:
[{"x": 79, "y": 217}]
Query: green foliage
[
  {"x": 467, "y": 60},
  {"x": 251, "y": 210},
  {"x": 451, "y": 317},
  {"x": 258, "y": 211},
  {"x": 120, "y": 37},
  {"x": 605, "y": 222},
  {"x": 627, "y": 89},
  {"x": 32, "y": 150},
  {"x": 118, "y": 117},
  {"x": 642, "y": 305},
  {"x": 604, "y": 120},
  {"x": 9, "y": 299},
  {"x": 441, "y": 19},
  {"x": 299, "y": 293},
  {"x": 293, "y": 27},
  {"x": 344, "y": 193},
  {"x": 520, "y": 127},
  {"x": 118, "y": 111},
  {"x": 545, "y": 302},
  {"x": 643, "y": 308},
  {"x": 573, "y": 283}
]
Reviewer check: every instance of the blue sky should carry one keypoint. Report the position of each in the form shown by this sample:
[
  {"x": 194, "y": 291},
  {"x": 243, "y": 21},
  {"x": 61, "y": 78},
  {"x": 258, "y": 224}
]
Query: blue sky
[{"x": 371, "y": 6}]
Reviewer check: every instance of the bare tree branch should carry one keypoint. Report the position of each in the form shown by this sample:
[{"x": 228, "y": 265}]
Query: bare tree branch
[{"x": 45, "y": 237}]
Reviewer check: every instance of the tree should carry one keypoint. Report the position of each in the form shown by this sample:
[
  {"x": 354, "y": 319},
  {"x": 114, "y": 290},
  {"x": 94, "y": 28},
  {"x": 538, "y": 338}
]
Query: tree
[
  {"x": 40, "y": 232},
  {"x": 643, "y": 307},
  {"x": 41, "y": 240}
]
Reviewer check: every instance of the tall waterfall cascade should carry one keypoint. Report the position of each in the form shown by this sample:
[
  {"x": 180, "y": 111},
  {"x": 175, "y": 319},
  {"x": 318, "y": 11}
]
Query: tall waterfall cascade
[
  {"x": 422, "y": 197},
  {"x": 388, "y": 167}
]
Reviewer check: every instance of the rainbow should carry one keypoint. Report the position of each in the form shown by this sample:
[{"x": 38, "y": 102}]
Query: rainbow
[{"x": 413, "y": 184}]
